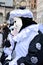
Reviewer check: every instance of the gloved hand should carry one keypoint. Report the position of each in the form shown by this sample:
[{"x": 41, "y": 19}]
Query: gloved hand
[
  {"x": 8, "y": 58},
  {"x": 13, "y": 62}
]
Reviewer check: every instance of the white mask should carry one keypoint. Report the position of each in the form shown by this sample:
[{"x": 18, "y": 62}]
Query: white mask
[{"x": 17, "y": 26}]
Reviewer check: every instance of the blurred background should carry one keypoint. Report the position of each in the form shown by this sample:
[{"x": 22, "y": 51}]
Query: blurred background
[{"x": 36, "y": 6}]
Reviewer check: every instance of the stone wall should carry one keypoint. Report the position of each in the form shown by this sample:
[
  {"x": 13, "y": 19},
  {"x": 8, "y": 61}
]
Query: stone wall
[
  {"x": 40, "y": 11},
  {"x": 4, "y": 11}
]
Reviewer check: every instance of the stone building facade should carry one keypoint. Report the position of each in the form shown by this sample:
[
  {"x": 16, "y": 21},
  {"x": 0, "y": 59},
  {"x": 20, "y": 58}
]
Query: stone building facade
[
  {"x": 40, "y": 11},
  {"x": 33, "y": 7},
  {"x": 30, "y": 4},
  {"x": 5, "y": 7},
  {"x": 3, "y": 12}
]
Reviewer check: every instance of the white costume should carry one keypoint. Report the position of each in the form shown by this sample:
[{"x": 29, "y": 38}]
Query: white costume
[{"x": 26, "y": 35}]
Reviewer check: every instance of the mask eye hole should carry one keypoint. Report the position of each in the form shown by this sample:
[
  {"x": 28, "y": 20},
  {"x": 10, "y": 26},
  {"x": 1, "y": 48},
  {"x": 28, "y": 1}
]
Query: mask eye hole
[
  {"x": 12, "y": 28},
  {"x": 15, "y": 21}
]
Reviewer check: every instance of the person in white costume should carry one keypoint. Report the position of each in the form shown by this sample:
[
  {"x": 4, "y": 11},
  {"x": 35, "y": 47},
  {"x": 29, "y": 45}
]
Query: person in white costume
[
  {"x": 27, "y": 33},
  {"x": 23, "y": 40}
]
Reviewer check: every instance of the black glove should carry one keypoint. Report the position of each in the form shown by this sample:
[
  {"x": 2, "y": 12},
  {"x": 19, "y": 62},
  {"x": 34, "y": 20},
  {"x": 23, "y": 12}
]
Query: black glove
[{"x": 6, "y": 43}]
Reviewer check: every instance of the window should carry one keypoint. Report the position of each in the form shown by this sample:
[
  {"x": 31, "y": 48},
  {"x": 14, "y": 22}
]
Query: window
[
  {"x": 29, "y": 1},
  {"x": 34, "y": 1},
  {"x": 34, "y": 5}
]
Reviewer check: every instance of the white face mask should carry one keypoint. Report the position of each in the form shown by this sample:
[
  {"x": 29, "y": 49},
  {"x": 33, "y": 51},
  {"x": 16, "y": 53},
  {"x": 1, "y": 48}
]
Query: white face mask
[
  {"x": 16, "y": 27},
  {"x": 18, "y": 23}
]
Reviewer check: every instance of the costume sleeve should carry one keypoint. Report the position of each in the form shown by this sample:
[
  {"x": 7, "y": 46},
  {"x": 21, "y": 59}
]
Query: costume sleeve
[{"x": 10, "y": 37}]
